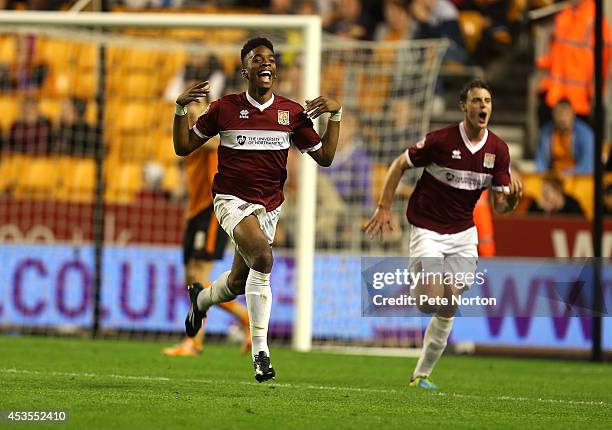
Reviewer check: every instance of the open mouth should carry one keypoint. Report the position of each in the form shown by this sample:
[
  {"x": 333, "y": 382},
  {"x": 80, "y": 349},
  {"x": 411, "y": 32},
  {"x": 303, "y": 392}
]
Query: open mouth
[
  {"x": 482, "y": 117},
  {"x": 265, "y": 76}
]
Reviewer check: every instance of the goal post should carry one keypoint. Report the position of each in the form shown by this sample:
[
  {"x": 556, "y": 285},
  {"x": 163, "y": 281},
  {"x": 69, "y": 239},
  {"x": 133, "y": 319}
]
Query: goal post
[{"x": 308, "y": 26}]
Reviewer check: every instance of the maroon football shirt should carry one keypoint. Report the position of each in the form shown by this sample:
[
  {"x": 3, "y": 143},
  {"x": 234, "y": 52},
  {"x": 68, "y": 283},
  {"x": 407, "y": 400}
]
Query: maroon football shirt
[
  {"x": 456, "y": 172},
  {"x": 255, "y": 140}
]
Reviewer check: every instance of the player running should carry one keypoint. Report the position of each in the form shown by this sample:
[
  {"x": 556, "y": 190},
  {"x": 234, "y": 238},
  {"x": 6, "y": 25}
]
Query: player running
[
  {"x": 460, "y": 162},
  {"x": 256, "y": 129},
  {"x": 204, "y": 242}
]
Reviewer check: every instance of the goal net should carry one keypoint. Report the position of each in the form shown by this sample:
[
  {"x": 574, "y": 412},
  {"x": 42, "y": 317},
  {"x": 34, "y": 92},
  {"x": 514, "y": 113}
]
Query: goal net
[{"x": 93, "y": 199}]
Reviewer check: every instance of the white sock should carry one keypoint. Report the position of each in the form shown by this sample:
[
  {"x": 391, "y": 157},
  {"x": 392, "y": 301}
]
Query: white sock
[
  {"x": 218, "y": 292},
  {"x": 259, "y": 304},
  {"x": 434, "y": 343}
]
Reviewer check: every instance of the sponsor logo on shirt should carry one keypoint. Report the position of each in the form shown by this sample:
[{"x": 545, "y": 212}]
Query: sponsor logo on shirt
[
  {"x": 283, "y": 117},
  {"x": 244, "y": 114},
  {"x": 258, "y": 140},
  {"x": 489, "y": 160},
  {"x": 456, "y": 154}
]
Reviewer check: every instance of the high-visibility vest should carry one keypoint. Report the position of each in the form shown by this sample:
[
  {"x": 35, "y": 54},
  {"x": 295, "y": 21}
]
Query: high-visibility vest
[
  {"x": 483, "y": 218},
  {"x": 569, "y": 62}
]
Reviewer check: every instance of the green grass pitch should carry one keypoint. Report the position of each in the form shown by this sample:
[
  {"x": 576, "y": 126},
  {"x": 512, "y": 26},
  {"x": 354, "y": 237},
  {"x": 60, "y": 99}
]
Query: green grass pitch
[{"x": 129, "y": 385}]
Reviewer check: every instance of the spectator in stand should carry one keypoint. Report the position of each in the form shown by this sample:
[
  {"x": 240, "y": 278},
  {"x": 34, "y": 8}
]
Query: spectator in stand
[
  {"x": 566, "y": 143},
  {"x": 398, "y": 24},
  {"x": 351, "y": 172},
  {"x": 554, "y": 201},
  {"x": 197, "y": 69},
  {"x": 31, "y": 132},
  {"x": 350, "y": 22},
  {"x": 436, "y": 19},
  {"x": 568, "y": 65},
  {"x": 75, "y": 136}
]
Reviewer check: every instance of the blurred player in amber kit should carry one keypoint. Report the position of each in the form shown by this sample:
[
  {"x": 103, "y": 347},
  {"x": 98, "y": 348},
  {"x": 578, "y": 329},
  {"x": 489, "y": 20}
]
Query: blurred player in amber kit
[
  {"x": 204, "y": 241},
  {"x": 460, "y": 162},
  {"x": 256, "y": 130}
]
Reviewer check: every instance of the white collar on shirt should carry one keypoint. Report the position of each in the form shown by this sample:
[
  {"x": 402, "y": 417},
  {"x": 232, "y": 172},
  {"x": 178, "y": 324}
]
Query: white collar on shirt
[
  {"x": 256, "y": 104},
  {"x": 473, "y": 148}
]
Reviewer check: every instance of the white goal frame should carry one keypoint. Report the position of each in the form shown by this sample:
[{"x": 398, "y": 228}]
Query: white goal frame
[{"x": 310, "y": 27}]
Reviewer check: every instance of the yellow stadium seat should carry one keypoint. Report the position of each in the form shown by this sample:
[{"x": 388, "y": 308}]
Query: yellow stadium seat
[
  {"x": 85, "y": 84},
  {"x": 136, "y": 116},
  {"x": 9, "y": 106},
  {"x": 39, "y": 178},
  {"x": 165, "y": 149},
  {"x": 8, "y": 49},
  {"x": 532, "y": 185},
  {"x": 138, "y": 85},
  {"x": 87, "y": 56},
  {"x": 581, "y": 187},
  {"x": 11, "y": 168},
  {"x": 123, "y": 182},
  {"x": 141, "y": 146},
  {"x": 79, "y": 180},
  {"x": 472, "y": 24},
  {"x": 51, "y": 108},
  {"x": 59, "y": 54},
  {"x": 173, "y": 178}
]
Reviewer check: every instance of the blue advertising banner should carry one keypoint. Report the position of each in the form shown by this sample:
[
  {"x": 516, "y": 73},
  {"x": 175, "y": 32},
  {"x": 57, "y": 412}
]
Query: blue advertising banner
[{"x": 50, "y": 286}]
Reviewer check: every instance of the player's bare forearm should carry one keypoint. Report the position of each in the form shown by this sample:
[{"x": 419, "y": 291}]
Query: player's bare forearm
[
  {"x": 329, "y": 143},
  {"x": 325, "y": 155},
  {"x": 185, "y": 140},
  {"x": 394, "y": 174}
]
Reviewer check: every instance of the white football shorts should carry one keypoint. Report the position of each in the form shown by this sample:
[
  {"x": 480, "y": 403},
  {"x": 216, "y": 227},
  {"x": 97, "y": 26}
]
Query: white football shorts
[
  {"x": 230, "y": 210},
  {"x": 444, "y": 253}
]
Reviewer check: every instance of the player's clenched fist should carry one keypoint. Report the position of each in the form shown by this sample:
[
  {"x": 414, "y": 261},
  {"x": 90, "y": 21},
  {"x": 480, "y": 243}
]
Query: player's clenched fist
[
  {"x": 320, "y": 105},
  {"x": 193, "y": 93}
]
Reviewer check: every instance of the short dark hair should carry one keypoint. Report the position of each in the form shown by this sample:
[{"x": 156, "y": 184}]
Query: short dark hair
[
  {"x": 564, "y": 101},
  {"x": 254, "y": 43},
  {"x": 476, "y": 83}
]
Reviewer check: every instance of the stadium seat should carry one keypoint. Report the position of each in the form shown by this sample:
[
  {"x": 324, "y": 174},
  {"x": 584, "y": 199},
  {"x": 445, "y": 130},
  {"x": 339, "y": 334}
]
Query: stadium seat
[
  {"x": 79, "y": 180},
  {"x": 85, "y": 84},
  {"x": 137, "y": 85},
  {"x": 51, "y": 108},
  {"x": 165, "y": 149},
  {"x": 11, "y": 168},
  {"x": 581, "y": 187},
  {"x": 471, "y": 23},
  {"x": 39, "y": 178},
  {"x": 8, "y": 49},
  {"x": 173, "y": 178},
  {"x": 9, "y": 106},
  {"x": 123, "y": 182}
]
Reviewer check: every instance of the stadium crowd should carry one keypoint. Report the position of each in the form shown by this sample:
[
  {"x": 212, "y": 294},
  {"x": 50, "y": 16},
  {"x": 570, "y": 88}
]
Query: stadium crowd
[{"x": 50, "y": 102}]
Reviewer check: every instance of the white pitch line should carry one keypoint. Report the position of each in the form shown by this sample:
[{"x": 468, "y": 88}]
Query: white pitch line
[{"x": 300, "y": 386}]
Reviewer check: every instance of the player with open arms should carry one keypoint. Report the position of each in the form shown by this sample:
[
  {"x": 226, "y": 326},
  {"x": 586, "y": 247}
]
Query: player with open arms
[
  {"x": 460, "y": 161},
  {"x": 256, "y": 129}
]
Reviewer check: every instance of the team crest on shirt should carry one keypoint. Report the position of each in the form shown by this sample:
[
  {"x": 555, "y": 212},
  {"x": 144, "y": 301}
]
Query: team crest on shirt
[
  {"x": 489, "y": 160},
  {"x": 240, "y": 139},
  {"x": 456, "y": 154},
  {"x": 283, "y": 117},
  {"x": 244, "y": 114}
]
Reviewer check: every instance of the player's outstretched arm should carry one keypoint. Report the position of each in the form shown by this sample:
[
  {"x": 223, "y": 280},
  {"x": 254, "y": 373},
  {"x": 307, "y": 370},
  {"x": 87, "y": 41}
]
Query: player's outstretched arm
[
  {"x": 185, "y": 140},
  {"x": 325, "y": 155},
  {"x": 381, "y": 222},
  {"x": 505, "y": 202}
]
